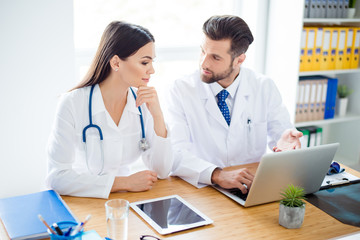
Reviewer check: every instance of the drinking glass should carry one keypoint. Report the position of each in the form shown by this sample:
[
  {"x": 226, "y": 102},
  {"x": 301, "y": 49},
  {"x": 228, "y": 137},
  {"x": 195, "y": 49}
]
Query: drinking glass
[{"x": 117, "y": 212}]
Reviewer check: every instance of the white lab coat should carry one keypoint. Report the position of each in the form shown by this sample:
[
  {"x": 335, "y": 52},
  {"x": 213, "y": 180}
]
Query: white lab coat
[
  {"x": 68, "y": 173},
  {"x": 201, "y": 138}
]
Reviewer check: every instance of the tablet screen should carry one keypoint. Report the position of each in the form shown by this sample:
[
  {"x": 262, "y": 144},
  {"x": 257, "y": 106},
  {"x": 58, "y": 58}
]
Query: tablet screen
[{"x": 170, "y": 214}]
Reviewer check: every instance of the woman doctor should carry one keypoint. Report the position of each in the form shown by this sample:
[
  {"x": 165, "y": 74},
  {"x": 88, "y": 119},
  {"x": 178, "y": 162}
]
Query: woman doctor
[{"x": 103, "y": 124}]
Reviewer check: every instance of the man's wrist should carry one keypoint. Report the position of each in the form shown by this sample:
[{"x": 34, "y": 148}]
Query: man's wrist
[{"x": 215, "y": 175}]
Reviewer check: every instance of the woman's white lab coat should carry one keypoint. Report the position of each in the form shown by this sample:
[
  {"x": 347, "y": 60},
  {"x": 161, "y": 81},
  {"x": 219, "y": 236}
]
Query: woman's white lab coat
[
  {"x": 201, "y": 137},
  {"x": 68, "y": 173}
]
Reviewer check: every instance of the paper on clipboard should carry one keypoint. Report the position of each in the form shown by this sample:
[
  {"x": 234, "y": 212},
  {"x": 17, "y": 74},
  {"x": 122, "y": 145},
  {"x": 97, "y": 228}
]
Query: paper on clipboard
[{"x": 338, "y": 179}]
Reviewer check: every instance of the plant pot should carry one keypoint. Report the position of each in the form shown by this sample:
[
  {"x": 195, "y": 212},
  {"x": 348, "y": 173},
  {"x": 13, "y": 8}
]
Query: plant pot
[
  {"x": 342, "y": 106},
  {"x": 351, "y": 12},
  {"x": 291, "y": 217}
]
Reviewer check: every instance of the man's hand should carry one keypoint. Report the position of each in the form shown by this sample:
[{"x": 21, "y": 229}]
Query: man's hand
[
  {"x": 233, "y": 179},
  {"x": 289, "y": 140}
]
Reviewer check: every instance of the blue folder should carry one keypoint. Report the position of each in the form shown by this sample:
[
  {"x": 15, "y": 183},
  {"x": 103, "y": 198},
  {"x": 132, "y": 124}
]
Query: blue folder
[
  {"x": 20, "y": 214},
  {"x": 331, "y": 98}
]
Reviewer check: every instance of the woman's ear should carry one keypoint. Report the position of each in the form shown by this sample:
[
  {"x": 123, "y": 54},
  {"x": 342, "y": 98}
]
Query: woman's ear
[{"x": 115, "y": 63}]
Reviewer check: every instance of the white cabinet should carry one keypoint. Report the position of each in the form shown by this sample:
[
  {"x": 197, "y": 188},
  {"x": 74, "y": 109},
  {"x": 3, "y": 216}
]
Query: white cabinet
[{"x": 282, "y": 65}]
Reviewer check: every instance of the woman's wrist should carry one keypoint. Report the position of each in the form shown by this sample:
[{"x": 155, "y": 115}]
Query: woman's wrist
[
  {"x": 160, "y": 127},
  {"x": 120, "y": 183}
]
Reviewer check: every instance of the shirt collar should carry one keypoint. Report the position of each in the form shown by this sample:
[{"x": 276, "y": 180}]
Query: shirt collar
[
  {"x": 232, "y": 89},
  {"x": 98, "y": 105}
]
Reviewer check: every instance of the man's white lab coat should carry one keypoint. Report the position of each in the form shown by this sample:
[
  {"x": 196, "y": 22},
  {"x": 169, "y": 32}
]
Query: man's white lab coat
[{"x": 201, "y": 138}]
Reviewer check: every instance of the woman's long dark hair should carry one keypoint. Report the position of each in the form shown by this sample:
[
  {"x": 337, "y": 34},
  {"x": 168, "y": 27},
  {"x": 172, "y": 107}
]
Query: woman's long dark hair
[{"x": 121, "y": 39}]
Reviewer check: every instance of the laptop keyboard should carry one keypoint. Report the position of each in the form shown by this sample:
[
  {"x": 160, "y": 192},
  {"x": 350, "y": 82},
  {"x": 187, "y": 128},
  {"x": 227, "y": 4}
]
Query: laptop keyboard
[{"x": 237, "y": 192}]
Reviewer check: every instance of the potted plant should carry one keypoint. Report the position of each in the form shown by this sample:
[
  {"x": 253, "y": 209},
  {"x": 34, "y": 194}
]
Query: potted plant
[
  {"x": 343, "y": 92},
  {"x": 351, "y": 10},
  {"x": 292, "y": 207}
]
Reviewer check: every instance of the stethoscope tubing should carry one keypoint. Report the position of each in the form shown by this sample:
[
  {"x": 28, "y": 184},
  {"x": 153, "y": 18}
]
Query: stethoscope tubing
[{"x": 143, "y": 143}]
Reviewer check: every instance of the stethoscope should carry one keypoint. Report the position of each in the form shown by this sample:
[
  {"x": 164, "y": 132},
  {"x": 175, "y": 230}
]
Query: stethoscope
[{"x": 143, "y": 144}]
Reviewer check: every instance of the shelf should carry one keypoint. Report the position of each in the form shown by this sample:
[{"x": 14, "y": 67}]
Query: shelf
[
  {"x": 337, "y": 119},
  {"x": 332, "y": 21},
  {"x": 327, "y": 72}
]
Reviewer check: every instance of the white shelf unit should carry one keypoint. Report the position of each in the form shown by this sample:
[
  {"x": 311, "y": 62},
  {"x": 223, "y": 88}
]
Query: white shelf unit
[
  {"x": 330, "y": 21},
  {"x": 282, "y": 65},
  {"x": 329, "y": 72}
]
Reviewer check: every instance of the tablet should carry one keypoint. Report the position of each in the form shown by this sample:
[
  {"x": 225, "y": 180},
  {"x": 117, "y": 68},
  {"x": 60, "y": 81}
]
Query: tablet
[{"x": 170, "y": 214}]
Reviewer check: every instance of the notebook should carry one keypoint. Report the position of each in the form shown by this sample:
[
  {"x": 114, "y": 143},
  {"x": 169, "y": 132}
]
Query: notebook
[
  {"x": 20, "y": 214},
  {"x": 304, "y": 168}
]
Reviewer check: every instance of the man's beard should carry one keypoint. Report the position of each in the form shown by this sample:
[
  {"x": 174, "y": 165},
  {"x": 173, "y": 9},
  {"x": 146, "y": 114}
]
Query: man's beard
[{"x": 216, "y": 77}]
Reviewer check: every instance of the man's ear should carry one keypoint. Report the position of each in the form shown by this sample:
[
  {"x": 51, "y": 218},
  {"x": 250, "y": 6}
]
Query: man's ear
[
  {"x": 115, "y": 62},
  {"x": 239, "y": 60}
]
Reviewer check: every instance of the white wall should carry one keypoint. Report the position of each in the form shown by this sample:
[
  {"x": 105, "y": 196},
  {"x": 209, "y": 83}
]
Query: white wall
[
  {"x": 284, "y": 32},
  {"x": 36, "y": 65}
]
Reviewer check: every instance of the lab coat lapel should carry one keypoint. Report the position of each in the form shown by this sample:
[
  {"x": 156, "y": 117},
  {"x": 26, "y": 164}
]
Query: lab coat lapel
[
  {"x": 98, "y": 107},
  {"x": 131, "y": 102},
  {"x": 210, "y": 104},
  {"x": 241, "y": 104}
]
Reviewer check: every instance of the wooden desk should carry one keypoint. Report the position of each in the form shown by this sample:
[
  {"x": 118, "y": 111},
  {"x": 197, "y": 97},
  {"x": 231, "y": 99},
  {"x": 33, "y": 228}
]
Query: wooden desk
[{"x": 231, "y": 221}]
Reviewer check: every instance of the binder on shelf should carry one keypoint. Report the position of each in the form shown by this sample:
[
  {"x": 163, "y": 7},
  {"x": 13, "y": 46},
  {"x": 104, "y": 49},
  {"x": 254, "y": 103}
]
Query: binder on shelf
[
  {"x": 304, "y": 140},
  {"x": 330, "y": 98},
  {"x": 345, "y": 8},
  {"x": 319, "y": 136},
  {"x": 348, "y": 47},
  {"x": 306, "y": 9},
  {"x": 317, "y": 114},
  {"x": 305, "y": 116},
  {"x": 318, "y": 46},
  {"x": 312, "y": 136},
  {"x": 330, "y": 8},
  {"x": 322, "y": 9},
  {"x": 20, "y": 214},
  {"x": 339, "y": 12},
  {"x": 300, "y": 104},
  {"x": 323, "y": 99},
  {"x": 333, "y": 48},
  {"x": 325, "y": 49},
  {"x": 303, "y": 50},
  {"x": 339, "y": 63},
  {"x": 355, "y": 49},
  {"x": 312, "y": 9},
  {"x": 312, "y": 100},
  {"x": 310, "y": 43}
]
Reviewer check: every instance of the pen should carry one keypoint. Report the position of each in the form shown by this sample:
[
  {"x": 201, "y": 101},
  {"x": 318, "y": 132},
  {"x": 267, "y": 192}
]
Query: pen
[
  {"x": 57, "y": 229},
  {"x": 68, "y": 232},
  {"x": 249, "y": 123},
  {"x": 338, "y": 184},
  {"x": 80, "y": 226},
  {"x": 50, "y": 229}
]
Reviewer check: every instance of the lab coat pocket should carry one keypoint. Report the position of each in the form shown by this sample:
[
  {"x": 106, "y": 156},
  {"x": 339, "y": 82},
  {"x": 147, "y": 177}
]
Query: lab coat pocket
[
  {"x": 257, "y": 137},
  {"x": 131, "y": 150},
  {"x": 102, "y": 155}
]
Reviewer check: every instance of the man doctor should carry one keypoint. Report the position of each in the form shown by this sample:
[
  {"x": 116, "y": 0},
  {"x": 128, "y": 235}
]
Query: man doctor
[{"x": 224, "y": 114}]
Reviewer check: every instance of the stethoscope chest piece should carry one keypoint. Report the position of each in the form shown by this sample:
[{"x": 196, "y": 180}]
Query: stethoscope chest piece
[{"x": 143, "y": 144}]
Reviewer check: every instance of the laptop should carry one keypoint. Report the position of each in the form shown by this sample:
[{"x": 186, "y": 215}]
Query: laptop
[{"x": 304, "y": 168}]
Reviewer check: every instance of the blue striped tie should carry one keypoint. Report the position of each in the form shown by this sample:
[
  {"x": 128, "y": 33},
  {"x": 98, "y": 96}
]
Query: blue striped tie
[{"x": 221, "y": 96}]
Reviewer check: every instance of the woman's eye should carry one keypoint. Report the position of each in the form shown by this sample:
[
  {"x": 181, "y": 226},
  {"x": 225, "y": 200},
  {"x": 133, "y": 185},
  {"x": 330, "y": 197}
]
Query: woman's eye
[{"x": 144, "y": 63}]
